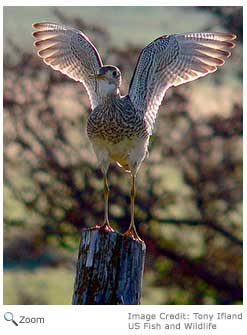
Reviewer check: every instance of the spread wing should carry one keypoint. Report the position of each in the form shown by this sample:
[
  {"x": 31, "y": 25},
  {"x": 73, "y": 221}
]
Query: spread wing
[
  {"x": 173, "y": 60},
  {"x": 69, "y": 51}
]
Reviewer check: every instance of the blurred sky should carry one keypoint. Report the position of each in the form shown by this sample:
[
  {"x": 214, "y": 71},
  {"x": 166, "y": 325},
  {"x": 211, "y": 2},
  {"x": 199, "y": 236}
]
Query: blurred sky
[{"x": 125, "y": 24}]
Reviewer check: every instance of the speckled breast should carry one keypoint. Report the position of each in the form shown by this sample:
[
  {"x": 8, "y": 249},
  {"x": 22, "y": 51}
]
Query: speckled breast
[{"x": 115, "y": 121}]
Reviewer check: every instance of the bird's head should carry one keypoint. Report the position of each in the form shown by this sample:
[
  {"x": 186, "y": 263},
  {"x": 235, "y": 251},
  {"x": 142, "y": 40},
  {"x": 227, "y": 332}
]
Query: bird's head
[{"x": 109, "y": 80}]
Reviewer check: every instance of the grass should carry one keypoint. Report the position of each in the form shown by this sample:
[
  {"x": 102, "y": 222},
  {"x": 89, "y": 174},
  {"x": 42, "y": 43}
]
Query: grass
[
  {"x": 44, "y": 286},
  {"x": 47, "y": 286},
  {"x": 54, "y": 286}
]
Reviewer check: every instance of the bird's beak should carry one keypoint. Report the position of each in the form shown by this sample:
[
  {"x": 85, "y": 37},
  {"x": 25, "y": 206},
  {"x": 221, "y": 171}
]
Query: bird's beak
[{"x": 97, "y": 76}]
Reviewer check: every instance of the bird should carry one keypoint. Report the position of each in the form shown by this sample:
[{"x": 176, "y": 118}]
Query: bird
[{"x": 119, "y": 126}]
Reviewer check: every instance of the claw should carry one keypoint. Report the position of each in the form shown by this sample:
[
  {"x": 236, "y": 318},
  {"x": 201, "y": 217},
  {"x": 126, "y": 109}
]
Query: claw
[
  {"x": 131, "y": 232},
  {"x": 107, "y": 227}
]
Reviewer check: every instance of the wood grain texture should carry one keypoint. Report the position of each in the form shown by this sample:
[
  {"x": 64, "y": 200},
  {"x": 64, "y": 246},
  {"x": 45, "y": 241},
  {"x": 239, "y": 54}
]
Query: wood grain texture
[{"x": 109, "y": 269}]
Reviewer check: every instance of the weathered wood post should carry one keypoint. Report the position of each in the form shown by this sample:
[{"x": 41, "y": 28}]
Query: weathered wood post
[{"x": 109, "y": 269}]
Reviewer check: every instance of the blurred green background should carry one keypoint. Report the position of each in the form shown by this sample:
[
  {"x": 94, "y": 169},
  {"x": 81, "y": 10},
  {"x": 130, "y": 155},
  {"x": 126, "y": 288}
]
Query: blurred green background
[{"x": 189, "y": 190}]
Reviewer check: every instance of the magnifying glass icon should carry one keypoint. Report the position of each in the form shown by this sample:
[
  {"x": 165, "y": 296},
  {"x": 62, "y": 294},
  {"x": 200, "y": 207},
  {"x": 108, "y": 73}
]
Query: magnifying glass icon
[{"x": 8, "y": 316}]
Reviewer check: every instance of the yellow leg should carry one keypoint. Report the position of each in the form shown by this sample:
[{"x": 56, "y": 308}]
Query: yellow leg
[
  {"x": 106, "y": 224},
  {"x": 132, "y": 229}
]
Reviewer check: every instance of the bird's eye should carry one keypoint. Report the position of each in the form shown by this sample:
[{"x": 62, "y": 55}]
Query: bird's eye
[{"x": 114, "y": 73}]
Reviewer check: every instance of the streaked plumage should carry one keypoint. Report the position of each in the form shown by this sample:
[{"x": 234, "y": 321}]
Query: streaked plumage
[{"x": 119, "y": 127}]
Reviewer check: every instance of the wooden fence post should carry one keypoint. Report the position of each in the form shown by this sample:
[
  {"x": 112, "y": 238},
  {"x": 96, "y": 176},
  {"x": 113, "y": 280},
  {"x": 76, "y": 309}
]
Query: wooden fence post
[{"x": 109, "y": 269}]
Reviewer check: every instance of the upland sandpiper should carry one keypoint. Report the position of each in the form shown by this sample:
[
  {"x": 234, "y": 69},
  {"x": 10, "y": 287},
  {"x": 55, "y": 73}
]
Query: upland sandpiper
[{"x": 119, "y": 127}]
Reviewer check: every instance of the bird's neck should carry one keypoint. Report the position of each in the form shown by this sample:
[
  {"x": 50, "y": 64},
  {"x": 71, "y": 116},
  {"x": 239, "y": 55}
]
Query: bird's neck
[{"x": 107, "y": 90}]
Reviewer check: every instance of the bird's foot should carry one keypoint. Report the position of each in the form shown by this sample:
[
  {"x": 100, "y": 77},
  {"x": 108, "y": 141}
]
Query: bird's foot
[
  {"x": 107, "y": 227},
  {"x": 131, "y": 232}
]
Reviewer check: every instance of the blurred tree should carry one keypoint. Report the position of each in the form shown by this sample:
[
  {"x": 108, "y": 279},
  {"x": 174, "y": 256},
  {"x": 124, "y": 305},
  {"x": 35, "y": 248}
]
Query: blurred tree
[
  {"x": 231, "y": 17},
  {"x": 189, "y": 201}
]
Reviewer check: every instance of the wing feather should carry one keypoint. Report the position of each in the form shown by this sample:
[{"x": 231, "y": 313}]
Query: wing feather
[
  {"x": 69, "y": 51},
  {"x": 173, "y": 60}
]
